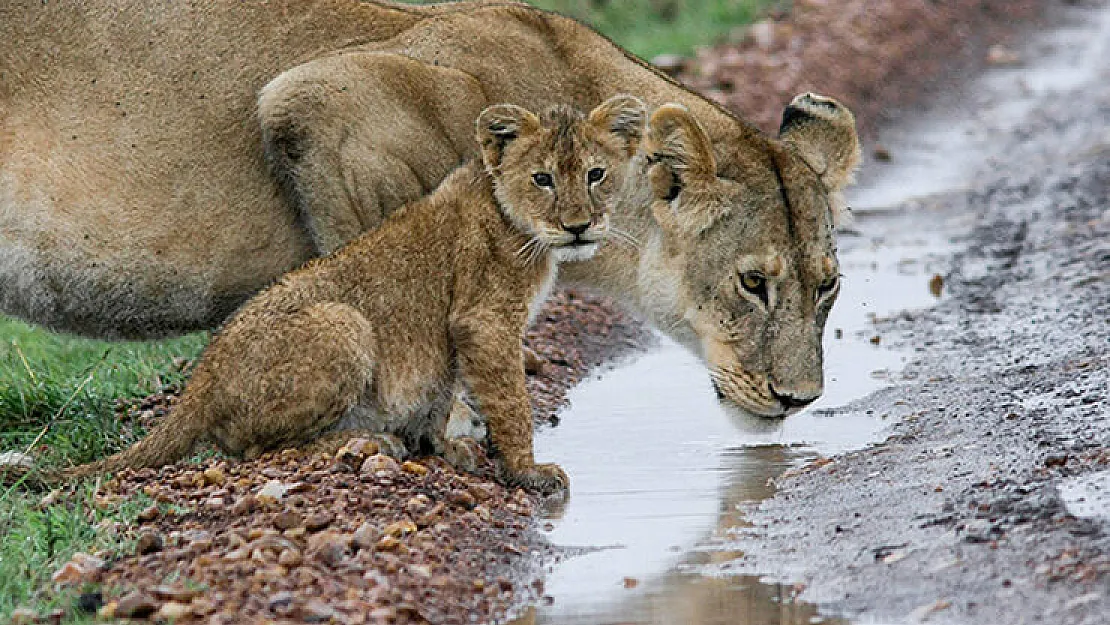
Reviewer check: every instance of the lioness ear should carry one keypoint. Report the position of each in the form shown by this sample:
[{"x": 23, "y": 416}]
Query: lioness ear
[
  {"x": 679, "y": 151},
  {"x": 497, "y": 126},
  {"x": 823, "y": 131},
  {"x": 623, "y": 115}
]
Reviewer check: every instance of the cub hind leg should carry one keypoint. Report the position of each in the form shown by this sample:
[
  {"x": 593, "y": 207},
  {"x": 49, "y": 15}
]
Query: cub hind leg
[{"x": 282, "y": 382}]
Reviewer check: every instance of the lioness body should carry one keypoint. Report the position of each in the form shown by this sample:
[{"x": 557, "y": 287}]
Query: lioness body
[
  {"x": 376, "y": 336},
  {"x": 136, "y": 199}
]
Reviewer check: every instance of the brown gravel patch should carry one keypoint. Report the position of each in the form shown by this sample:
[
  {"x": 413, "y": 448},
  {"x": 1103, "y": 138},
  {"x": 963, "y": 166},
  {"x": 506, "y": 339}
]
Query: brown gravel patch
[
  {"x": 351, "y": 538},
  {"x": 876, "y": 57},
  {"x": 377, "y": 543}
]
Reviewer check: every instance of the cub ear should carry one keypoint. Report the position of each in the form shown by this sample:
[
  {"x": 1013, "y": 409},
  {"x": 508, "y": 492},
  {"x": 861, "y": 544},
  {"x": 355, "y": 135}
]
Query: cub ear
[
  {"x": 679, "y": 152},
  {"x": 624, "y": 116},
  {"x": 497, "y": 126},
  {"x": 823, "y": 131}
]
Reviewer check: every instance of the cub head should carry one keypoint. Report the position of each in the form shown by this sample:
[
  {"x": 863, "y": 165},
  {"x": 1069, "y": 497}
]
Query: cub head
[
  {"x": 556, "y": 175},
  {"x": 744, "y": 255}
]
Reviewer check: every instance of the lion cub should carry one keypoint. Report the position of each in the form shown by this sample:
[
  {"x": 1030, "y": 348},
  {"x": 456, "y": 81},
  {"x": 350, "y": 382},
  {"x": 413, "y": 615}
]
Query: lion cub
[{"x": 375, "y": 337}]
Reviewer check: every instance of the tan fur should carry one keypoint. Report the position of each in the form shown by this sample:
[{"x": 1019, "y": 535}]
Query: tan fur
[
  {"x": 374, "y": 337},
  {"x": 161, "y": 162}
]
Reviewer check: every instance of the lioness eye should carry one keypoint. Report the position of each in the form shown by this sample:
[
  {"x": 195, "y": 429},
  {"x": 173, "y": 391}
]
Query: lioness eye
[
  {"x": 543, "y": 179},
  {"x": 595, "y": 175},
  {"x": 755, "y": 284}
]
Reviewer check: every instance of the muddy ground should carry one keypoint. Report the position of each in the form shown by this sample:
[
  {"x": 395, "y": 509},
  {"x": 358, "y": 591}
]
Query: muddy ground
[{"x": 969, "y": 512}]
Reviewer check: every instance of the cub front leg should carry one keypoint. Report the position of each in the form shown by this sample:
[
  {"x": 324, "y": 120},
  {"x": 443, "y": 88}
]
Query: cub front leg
[
  {"x": 356, "y": 135},
  {"x": 491, "y": 366}
]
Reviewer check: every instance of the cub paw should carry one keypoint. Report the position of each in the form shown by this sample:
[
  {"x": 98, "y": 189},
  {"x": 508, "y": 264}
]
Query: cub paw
[
  {"x": 549, "y": 479},
  {"x": 463, "y": 453}
]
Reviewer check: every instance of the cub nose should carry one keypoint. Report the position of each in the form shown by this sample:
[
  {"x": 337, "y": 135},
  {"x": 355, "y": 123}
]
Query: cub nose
[
  {"x": 577, "y": 229},
  {"x": 790, "y": 401}
]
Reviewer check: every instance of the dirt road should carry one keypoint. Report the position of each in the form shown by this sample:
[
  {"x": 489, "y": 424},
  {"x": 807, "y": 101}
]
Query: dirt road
[{"x": 990, "y": 500}]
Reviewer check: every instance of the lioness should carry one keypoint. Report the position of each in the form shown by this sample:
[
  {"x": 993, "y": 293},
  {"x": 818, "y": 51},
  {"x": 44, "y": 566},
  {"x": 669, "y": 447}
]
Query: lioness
[
  {"x": 161, "y": 162},
  {"x": 373, "y": 337}
]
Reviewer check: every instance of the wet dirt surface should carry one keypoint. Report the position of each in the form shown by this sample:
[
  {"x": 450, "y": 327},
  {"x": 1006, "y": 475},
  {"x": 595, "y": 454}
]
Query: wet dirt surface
[{"x": 987, "y": 501}]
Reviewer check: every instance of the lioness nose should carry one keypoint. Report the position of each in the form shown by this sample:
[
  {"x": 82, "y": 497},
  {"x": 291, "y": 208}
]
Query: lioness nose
[
  {"x": 790, "y": 401},
  {"x": 576, "y": 229}
]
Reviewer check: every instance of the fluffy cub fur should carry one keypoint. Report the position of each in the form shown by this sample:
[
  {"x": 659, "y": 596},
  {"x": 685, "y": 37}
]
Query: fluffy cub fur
[{"x": 375, "y": 337}]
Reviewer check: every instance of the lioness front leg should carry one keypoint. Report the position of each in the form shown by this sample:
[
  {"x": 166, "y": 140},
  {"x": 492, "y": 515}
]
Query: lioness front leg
[
  {"x": 354, "y": 136},
  {"x": 492, "y": 369}
]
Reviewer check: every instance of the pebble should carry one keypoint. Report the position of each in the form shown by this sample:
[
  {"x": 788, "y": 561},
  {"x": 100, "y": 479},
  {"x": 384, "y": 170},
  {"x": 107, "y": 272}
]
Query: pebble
[
  {"x": 149, "y": 541},
  {"x": 135, "y": 605}
]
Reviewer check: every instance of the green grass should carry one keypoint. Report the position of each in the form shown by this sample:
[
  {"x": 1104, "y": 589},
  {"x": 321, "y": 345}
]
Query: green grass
[
  {"x": 57, "y": 402},
  {"x": 651, "y": 27},
  {"x": 58, "y": 392},
  {"x": 38, "y": 540}
]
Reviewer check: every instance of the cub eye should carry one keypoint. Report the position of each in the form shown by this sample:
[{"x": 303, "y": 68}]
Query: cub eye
[
  {"x": 827, "y": 286},
  {"x": 543, "y": 179},
  {"x": 595, "y": 175},
  {"x": 755, "y": 283}
]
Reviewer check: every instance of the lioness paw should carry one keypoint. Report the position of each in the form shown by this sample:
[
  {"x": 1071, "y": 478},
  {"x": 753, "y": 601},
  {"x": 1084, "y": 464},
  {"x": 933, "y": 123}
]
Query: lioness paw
[{"x": 549, "y": 479}]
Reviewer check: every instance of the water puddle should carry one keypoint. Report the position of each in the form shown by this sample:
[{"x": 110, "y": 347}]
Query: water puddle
[{"x": 659, "y": 469}]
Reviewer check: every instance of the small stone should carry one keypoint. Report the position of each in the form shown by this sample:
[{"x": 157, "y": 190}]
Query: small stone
[
  {"x": 400, "y": 528},
  {"x": 273, "y": 491},
  {"x": 80, "y": 568},
  {"x": 318, "y": 521},
  {"x": 149, "y": 514},
  {"x": 287, "y": 520},
  {"x": 366, "y": 536},
  {"x": 214, "y": 476},
  {"x": 16, "y": 459},
  {"x": 936, "y": 285},
  {"x": 875, "y": 340},
  {"x": 149, "y": 541},
  {"x": 329, "y": 547},
  {"x": 356, "y": 451},
  {"x": 107, "y": 612},
  {"x": 670, "y": 64},
  {"x": 289, "y": 558},
  {"x": 387, "y": 543},
  {"x": 179, "y": 594},
  {"x": 881, "y": 154},
  {"x": 316, "y": 611},
  {"x": 462, "y": 499},
  {"x": 379, "y": 465},
  {"x": 136, "y": 605},
  {"x": 24, "y": 616},
  {"x": 1001, "y": 55},
  {"x": 482, "y": 492},
  {"x": 173, "y": 611},
  {"x": 414, "y": 468},
  {"x": 631, "y": 582},
  {"x": 280, "y": 601}
]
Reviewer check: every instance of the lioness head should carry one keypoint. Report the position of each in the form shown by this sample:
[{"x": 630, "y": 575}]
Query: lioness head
[
  {"x": 556, "y": 176},
  {"x": 748, "y": 256}
]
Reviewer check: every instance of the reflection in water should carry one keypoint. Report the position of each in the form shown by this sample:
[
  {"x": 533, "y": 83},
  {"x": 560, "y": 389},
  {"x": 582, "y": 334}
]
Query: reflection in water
[
  {"x": 660, "y": 473},
  {"x": 685, "y": 595}
]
